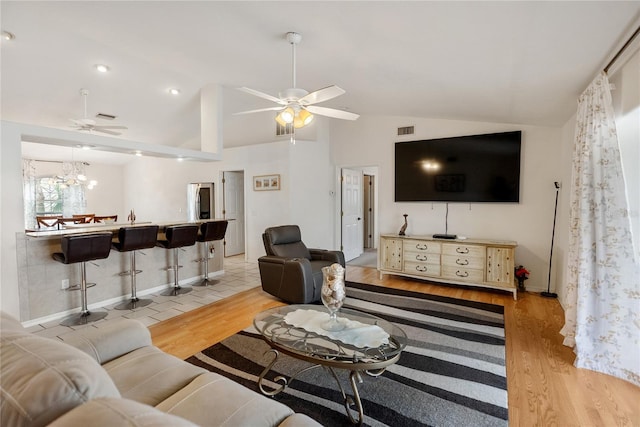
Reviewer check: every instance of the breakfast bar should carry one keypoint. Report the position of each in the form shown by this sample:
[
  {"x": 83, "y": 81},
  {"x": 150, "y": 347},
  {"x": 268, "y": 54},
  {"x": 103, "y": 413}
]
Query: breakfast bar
[{"x": 43, "y": 282}]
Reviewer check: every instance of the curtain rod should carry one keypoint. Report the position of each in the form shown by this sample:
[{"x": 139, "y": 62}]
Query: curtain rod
[{"x": 622, "y": 49}]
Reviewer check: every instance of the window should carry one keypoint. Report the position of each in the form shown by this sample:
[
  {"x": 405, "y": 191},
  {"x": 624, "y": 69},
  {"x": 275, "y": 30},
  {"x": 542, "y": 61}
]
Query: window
[{"x": 49, "y": 196}]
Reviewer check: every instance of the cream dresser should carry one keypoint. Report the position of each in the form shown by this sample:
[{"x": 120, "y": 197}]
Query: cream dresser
[{"x": 471, "y": 262}]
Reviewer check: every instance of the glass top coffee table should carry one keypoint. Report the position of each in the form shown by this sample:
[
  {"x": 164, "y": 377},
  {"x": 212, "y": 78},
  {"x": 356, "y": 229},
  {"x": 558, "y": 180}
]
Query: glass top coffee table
[{"x": 368, "y": 345}]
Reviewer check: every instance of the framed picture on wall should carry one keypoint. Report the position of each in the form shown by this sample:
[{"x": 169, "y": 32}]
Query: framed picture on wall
[{"x": 266, "y": 182}]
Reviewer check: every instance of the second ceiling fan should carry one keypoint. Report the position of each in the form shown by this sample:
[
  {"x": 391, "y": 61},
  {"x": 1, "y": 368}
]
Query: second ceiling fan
[{"x": 296, "y": 105}]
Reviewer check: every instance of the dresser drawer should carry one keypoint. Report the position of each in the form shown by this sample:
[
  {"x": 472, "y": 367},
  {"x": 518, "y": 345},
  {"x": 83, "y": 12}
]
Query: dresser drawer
[
  {"x": 463, "y": 261},
  {"x": 422, "y": 246},
  {"x": 462, "y": 274},
  {"x": 467, "y": 250},
  {"x": 422, "y": 258},
  {"x": 421, "y": 269}
]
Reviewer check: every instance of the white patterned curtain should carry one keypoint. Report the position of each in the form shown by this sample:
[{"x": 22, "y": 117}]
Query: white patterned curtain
[
  {"x": 602, "y": 302},
  {"x": 29, "y": 189}
]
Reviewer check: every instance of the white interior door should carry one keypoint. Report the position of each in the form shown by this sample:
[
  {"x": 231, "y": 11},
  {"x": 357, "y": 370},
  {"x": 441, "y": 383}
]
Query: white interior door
[
  {"x": 352, "y": 228},
  {"x": 233, "y": 210}
]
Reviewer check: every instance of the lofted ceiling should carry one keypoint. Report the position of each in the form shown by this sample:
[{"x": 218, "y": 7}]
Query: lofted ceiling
[{"x": 505, "y": 62}]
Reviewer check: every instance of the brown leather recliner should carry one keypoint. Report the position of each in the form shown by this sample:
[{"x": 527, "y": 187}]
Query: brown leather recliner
[{"x": 291, "y": 271}]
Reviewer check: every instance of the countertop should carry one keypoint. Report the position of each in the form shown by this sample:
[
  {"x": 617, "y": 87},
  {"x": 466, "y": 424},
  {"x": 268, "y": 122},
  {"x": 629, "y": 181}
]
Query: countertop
[{"x": 113, "y": 227}]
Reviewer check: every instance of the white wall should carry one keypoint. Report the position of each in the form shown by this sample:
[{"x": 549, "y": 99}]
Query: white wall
[
  {"x": 370, "y": 141},
  {"x": 11, "y": 216},
  {"x": 156, "y": 189}
]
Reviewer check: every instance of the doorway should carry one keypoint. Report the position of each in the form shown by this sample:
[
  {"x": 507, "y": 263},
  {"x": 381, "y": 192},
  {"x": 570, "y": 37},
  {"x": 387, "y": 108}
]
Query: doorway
[
  {"x": 358, "y": 210},
  {"x": 233, "y": 211}
]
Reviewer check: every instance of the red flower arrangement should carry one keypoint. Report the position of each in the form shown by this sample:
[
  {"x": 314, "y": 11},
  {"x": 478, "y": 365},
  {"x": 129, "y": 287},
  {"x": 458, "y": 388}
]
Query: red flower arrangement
[{"x": 522, "y": 273}]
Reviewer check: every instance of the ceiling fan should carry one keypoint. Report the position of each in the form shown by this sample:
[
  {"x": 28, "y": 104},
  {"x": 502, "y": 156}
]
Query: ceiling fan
[
  {"x": 87, "y": 124},
  {"x": 296, "y": 105}
]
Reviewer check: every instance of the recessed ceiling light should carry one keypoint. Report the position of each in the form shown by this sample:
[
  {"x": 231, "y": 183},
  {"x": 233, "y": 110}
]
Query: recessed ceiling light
[
  {"x": 6, "y": 35},
  {"x": 102, "y": 68},
  {"x": 139, "y": 153},
  {"x": 174, "y": 91}
]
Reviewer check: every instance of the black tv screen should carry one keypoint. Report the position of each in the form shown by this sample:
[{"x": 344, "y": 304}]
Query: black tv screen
[{"x": 476, "y": 168}]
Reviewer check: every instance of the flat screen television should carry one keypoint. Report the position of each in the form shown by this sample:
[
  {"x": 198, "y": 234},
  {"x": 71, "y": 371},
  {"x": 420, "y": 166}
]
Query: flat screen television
[{"x": 475, "y": 168}]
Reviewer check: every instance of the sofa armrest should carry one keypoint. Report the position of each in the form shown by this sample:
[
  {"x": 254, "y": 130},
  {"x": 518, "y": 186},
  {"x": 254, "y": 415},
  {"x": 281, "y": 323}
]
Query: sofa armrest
[
  {"x": 110, "y": 341},
  {"x": 325, "y": 255}
]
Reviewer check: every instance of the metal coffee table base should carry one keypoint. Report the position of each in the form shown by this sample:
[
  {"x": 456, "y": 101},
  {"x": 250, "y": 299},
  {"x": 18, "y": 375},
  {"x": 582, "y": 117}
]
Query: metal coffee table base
[{"x": 356, "y": 415}]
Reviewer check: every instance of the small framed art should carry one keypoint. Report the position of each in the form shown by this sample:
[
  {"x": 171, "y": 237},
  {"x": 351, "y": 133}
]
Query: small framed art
[{"x": 266, "y": 182}]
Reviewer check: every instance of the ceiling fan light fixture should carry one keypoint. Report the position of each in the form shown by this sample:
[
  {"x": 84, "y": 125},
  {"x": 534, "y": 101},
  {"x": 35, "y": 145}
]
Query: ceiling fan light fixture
[
  {"x": 286, "y": 116},
  {"x": 302, "y": 119}
]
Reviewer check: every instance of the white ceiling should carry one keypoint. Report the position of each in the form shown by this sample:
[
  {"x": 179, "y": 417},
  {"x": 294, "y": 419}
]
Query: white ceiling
[{"x": 505, "y": 62}]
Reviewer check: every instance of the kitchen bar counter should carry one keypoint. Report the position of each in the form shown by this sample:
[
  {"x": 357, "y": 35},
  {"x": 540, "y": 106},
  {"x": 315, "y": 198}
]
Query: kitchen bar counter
[
  {"x": 40, "y": 278},
  {"x": 100, "y": 227}
]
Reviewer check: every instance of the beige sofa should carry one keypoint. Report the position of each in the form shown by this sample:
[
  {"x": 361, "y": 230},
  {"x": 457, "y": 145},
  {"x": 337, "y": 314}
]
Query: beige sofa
[{"x": 111, "y": 375}]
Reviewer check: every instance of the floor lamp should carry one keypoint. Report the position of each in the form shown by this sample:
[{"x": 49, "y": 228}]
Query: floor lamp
[{"x": 548, "y": 293}]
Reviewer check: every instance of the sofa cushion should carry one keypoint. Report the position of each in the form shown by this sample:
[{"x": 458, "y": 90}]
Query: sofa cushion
[
  {"x": 109, "y": 412},
  {"x": 148, "y": 375},
  {"x": 235, "y": 405},
  {"x": 43, "y": 378}
]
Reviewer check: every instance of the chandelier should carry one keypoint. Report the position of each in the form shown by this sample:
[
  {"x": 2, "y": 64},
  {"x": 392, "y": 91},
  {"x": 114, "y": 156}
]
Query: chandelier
[{"x": 74, "y": 174}]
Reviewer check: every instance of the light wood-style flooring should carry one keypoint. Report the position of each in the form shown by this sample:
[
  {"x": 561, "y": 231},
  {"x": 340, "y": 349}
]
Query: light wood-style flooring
[{"x": 544, "y": 388}]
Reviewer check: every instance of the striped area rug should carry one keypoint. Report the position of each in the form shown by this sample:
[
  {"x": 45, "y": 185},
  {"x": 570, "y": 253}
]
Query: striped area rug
[{"x": 452, "y": 372}]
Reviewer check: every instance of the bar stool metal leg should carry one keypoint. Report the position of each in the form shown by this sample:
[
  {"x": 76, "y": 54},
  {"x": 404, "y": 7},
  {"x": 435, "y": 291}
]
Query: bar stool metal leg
[
  {"x": 134, "y": 301},
  {"x": 85, "y": 316},
  {"x": 177, "y": 289},
  {"x": 206, "y": 281}
]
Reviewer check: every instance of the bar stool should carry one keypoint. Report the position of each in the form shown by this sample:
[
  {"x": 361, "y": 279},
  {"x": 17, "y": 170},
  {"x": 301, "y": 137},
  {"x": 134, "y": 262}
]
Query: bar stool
[
  {"x": 209, "y": 232},
  {"x": 80, "y": 249},
  {"x": 132, "y": 239},
  {"x": 178, "y": 236}
]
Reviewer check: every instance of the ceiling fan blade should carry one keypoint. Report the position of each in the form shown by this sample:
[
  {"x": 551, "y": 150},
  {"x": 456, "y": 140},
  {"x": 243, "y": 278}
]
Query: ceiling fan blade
[
  {"x": 258, "y": 110},
  {"x": 332, "y": 112},
  {"x": 321, "y": 95},
  {"x": 110, "y": 132},
  {"x": 261, "y": 95},
  {"x": 110, "y": 127}
]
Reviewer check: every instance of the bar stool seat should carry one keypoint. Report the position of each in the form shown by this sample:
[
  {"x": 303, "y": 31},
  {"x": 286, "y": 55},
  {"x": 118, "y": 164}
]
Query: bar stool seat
[
  {"x": 132, "y": 239},
  {"x": 176, "y": 237},
  {"x": 80, "y": 249},
  {"x": 209, "y": 232}
]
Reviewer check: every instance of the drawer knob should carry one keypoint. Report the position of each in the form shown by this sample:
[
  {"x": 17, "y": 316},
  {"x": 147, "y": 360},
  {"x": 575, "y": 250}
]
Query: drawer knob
[
  {"x": 462, "y": 274},
  {"x": 421, "y": 268},
  {"x": 462, "y": 250},
  {"x": 421, "y": 257},
  {"x": 462, "y": 261},
  {"x": 421, "y": 247}
]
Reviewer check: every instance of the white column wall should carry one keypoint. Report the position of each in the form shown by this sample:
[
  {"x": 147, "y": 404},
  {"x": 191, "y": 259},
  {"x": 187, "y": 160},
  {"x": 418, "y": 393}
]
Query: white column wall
[{"x": 12, "y": 216}]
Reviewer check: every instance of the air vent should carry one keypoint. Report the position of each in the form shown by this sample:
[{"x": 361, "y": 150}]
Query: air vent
[
  {"x": 105, "y": 116},
  {"x": 406, "y": 130},
  {"x": 284, "y": 130}
]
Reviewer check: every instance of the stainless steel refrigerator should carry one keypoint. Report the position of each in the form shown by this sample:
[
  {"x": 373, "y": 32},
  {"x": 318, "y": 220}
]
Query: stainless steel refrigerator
[{"x": 200, "y": 201}]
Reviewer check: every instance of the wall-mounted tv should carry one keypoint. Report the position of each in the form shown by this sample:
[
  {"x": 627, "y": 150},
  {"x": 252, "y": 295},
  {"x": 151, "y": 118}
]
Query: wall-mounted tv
[{"x": 476, "y": 168}]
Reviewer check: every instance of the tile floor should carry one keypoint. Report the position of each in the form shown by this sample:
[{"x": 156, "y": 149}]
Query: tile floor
[{"x": 239, "y": 276}]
